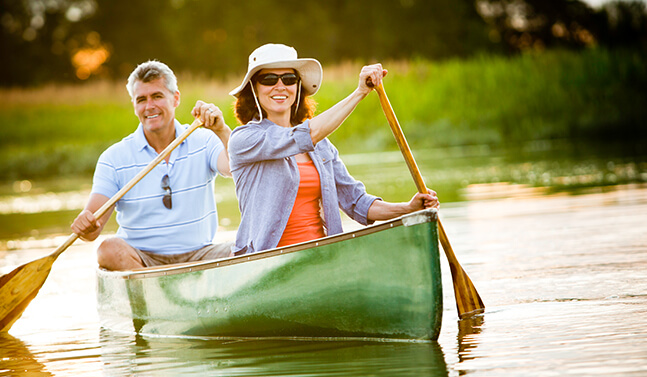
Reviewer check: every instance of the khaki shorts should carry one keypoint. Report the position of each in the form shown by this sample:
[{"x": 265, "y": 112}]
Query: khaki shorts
[{"x": 209, "y": 252}]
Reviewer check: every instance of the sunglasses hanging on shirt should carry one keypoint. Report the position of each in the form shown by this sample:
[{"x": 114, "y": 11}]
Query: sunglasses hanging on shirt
[{"x": 166, "y": 199}]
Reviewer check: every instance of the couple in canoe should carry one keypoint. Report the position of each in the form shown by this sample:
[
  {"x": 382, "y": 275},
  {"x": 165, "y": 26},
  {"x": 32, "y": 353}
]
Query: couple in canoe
[{"x": 290, "y": 181}]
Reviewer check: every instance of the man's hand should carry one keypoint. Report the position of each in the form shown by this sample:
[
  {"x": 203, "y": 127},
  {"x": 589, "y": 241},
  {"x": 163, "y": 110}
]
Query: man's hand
[
  {"x": 86, "y": 226},
  {"x": 210, "y": 115},
  {"x": 85, "y": 223}
]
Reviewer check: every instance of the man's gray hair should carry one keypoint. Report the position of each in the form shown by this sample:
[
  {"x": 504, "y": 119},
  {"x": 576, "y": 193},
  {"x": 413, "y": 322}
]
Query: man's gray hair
[{"x": 151, "y": 71}]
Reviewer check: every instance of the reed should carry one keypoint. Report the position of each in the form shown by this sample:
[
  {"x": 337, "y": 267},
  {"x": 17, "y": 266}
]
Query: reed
[{"x": 594, "y": 94}]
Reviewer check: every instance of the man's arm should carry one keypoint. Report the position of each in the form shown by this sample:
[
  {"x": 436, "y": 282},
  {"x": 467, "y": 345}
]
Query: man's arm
[
  {"x": 215, "y": 121},
  {"x": 223, "y": 158}
]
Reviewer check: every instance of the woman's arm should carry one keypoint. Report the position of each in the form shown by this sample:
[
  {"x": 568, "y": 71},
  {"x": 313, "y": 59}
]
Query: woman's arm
[
  {"x": 325, "y": 123},
  {"x": 381, "y": 210}
]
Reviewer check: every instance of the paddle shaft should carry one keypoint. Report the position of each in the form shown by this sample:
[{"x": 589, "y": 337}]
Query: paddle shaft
[
  {"x": 115, "y": 198},
  {"x": 468, "y": 300}
]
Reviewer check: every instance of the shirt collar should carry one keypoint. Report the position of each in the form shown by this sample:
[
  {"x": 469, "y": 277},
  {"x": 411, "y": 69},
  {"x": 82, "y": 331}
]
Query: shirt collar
[{"x": 140, "y": 138}]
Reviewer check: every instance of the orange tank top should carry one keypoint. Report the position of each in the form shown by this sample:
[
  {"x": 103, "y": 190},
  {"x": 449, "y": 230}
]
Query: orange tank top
[{"x": 305, "y": 222}]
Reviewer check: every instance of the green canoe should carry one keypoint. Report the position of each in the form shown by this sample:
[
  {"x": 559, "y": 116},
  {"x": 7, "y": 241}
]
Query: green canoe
[{"x": 381, "y": 281}]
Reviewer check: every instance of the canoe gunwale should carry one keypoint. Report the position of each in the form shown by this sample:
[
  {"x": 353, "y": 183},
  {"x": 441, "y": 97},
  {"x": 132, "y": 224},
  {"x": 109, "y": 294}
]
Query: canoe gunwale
[{"x": 419, "y": 217}]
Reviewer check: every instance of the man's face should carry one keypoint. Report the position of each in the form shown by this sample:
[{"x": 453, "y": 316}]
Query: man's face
[{"x": 155, "y": 105}]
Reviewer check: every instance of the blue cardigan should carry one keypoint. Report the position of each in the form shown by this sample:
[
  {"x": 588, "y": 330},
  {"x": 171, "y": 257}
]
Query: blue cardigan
[{"x": 266, "y": 174}]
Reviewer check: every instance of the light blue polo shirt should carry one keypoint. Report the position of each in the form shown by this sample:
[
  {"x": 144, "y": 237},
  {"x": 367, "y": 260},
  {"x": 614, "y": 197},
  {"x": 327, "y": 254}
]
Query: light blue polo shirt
[{"x": 144, "y": 222}]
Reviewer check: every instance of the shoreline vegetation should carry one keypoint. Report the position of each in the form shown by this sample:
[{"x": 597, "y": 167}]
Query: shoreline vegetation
[{"x": 595, "y": 96}]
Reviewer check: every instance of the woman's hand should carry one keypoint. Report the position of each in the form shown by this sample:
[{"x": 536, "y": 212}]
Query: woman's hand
[
  {"x": 424, "y": 201},
  {"x": 210, "y": 115},
  {"x": 327, "y": 122},
  {"x": 372, "y": 74}
]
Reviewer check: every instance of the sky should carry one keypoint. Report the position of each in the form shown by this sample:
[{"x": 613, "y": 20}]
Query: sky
[{"x": 596, "y": 3}]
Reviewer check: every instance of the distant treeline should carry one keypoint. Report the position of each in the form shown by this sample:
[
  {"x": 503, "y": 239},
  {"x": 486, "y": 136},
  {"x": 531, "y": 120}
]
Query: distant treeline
[
  {"x": 71, "y": 40},
  {"x": 593, "y": 96}
]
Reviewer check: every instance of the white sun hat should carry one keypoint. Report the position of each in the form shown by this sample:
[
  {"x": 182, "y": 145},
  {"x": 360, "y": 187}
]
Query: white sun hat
[{"x": 281, "y": 56}]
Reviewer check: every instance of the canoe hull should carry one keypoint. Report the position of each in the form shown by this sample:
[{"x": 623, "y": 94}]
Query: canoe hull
[{"x": 378, "y": 282}]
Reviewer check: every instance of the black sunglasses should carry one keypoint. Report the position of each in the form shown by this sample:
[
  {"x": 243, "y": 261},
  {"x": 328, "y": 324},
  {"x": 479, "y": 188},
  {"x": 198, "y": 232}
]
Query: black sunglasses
[
  {"x": 166, "y": 199},
  {"x": 270, "y": 79}
]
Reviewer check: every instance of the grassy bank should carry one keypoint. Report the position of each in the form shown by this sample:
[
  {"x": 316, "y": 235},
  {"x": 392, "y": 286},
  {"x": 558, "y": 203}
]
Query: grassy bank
[{"x": 593, "y": 95}]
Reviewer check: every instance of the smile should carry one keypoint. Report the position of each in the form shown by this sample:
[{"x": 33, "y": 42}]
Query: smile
[
  {"x": 279, "y": 97},
  {"x": 152, "y": 116}
]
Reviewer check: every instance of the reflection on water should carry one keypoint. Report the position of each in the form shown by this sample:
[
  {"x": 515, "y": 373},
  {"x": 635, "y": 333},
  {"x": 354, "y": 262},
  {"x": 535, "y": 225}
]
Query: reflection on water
[
  {"x": 44, "y": 202},
  {"x": 134, "y": 355},
  {"x": 15, "y": 357},
  {"x": 563, "y": 278},
  {"x": 468, "y": 339}
]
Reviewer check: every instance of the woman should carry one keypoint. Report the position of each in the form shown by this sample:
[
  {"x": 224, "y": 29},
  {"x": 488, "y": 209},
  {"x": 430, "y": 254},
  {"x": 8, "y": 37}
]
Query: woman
[{"x": 290, "y": 181}]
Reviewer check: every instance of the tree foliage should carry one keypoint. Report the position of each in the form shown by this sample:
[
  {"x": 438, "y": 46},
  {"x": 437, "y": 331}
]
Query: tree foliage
[
  {"x": 523, "y": 24},
  {"x": 67, "y": 40}
]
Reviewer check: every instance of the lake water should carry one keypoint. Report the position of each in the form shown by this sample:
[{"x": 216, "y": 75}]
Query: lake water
[
  {"x": 554, "y": 236},
  {"x": 564, "y": 279}
]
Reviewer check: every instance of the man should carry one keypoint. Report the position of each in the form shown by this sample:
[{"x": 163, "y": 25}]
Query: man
[{"x": 170, "y": 215}]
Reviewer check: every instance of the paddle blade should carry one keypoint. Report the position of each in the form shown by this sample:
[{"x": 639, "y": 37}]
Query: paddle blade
[
  {"x": 468, "y": 300},
  {"x": 19, "y": 287}
]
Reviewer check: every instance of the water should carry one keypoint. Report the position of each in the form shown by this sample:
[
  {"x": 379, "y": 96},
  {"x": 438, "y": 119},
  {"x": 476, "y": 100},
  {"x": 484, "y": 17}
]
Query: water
[
  {"x": 43, "y": 208},
  {"x": 563, "y": 276},
  {"x": 564, "y": 279}
]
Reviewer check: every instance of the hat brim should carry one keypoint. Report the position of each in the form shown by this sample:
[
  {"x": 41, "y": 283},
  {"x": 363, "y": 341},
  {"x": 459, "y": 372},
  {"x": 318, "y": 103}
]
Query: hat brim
[{"x": 309, "y": 70}]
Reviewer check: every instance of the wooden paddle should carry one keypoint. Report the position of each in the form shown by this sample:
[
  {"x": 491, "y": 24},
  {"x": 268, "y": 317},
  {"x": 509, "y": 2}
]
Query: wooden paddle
[
  {"x": 468, "y": 301},
  {"x": 21, "y": 285}
]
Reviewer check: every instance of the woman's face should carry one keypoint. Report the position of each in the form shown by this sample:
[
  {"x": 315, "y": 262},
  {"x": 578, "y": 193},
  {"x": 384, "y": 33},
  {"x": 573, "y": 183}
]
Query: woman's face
[{"x": 276, "y": 99}]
